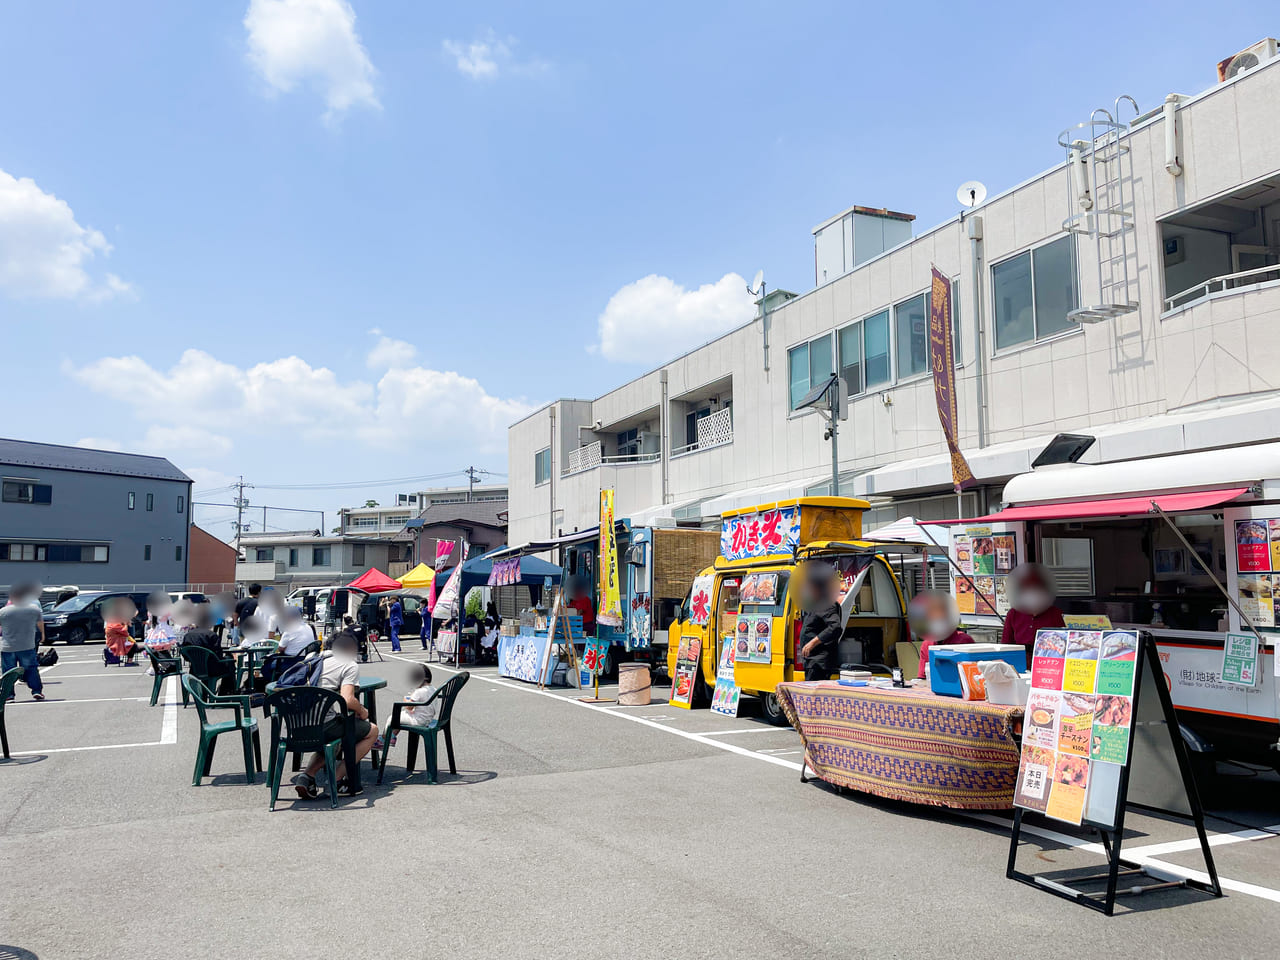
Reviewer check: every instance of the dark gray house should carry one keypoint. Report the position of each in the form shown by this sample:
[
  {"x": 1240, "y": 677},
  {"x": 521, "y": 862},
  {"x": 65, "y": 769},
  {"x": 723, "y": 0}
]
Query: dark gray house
[{"x": 70, "y": 515}]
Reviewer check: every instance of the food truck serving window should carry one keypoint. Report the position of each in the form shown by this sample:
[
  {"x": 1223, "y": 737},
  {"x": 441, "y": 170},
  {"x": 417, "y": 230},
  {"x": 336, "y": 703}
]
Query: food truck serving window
[{"x": 1070, "y": 559}]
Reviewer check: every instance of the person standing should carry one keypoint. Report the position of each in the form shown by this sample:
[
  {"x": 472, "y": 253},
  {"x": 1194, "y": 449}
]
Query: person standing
[
  {"x": 396, "y": 622},
  {"x": 245, "y": 607},
  {"x": 1032, "y": 606},
  {"x": 21, "y": 621},
  {"x": 823, "y": 624}
]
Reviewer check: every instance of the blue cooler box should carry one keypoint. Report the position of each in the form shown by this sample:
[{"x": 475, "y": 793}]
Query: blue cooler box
[{"x": 944, "y": 663}]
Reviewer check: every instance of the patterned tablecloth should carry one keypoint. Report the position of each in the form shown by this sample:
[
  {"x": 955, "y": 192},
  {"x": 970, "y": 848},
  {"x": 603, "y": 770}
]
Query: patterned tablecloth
[{"x": 907, "y": 744}]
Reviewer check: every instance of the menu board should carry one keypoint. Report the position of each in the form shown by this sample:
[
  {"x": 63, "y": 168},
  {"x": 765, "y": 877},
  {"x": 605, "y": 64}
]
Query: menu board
[
  {"x": 1258, "y": 568},
  {"x": 754, "y": 636},
  {"x": 1079, "y": 716},
  {"x": 682, "y": 684},
  {"x": 759, "y": 588},
  {"x": 724, "y": 700},
  {"x": 984, "y": 560}
]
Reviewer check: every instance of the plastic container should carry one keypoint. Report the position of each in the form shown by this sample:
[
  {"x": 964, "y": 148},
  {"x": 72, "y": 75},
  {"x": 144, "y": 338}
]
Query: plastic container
[{"x": 944, "y": 669}]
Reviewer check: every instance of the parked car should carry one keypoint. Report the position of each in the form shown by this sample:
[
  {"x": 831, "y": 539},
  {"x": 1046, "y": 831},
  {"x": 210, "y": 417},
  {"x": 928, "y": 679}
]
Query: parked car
[
  {"x": 79, "y": 619},
  {"x": 189, "y": 595}
]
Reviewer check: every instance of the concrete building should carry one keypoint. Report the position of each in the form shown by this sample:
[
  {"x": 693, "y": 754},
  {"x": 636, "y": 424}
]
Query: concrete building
[
  {"x": 1131, "y": 293},
  {"x": 305, "y": 558},
  {"x": 382, "y": 521},
  {"x": 70, "y": 515}
]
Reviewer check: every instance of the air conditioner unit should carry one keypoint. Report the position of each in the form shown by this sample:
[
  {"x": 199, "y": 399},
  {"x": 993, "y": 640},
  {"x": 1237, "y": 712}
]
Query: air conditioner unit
[{"x": 1247, "y": 59}]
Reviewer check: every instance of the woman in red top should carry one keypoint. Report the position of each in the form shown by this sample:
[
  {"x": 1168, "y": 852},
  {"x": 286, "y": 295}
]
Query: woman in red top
[
  {"x": 1031, "y": 598},
  {"x": 116, "y": 616},
  {"x": 933, "y": 618}
]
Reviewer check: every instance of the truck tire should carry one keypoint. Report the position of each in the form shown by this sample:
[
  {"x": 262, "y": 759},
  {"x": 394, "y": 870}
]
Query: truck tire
[
  {"x": 771, "y": 710},
  {"x": 702, "y": 693}
]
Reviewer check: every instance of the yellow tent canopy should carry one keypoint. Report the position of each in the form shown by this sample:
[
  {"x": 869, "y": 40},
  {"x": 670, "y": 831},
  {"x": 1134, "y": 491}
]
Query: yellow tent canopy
[{"x": 419, "y": 578}]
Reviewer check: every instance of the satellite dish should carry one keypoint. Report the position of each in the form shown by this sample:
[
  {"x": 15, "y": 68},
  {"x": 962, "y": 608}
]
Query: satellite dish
[
  {"x": 757, "y": 282},
  {"x": 971, "y": 193}
]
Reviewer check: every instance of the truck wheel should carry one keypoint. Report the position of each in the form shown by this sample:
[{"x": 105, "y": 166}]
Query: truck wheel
[
  {"x": 771, "y": 710},
  {"x": 77, "y": 635},
  {"x": 609, "y": 665}
]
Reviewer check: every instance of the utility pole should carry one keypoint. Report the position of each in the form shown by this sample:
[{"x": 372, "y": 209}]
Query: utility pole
[
  {"x": 241, "y": 503},
  {"x": 473, "y": 475}
]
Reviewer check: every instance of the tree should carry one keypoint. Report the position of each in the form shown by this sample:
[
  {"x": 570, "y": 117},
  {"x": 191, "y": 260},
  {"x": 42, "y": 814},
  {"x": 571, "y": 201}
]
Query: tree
[
  {"x": 370, "y": 503},
  {"x": 475, "y": 602}
]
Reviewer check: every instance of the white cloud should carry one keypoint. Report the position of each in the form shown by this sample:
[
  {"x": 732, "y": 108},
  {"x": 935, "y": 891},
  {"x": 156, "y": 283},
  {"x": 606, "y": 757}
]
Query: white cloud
[
  {"x": 200, "y": 400},
  {"x": 485, "y": 57},
  {"x": 655, "y": 319},
  {"x": 311, "y": 42},
  {"x": 185, "y": 441},
  {"x": 44, "y": 252},
  {"x": 99, "y": 443},
  {"x": 389, "y": 353}
]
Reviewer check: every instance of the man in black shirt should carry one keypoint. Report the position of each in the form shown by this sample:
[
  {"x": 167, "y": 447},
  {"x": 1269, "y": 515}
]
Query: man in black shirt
[
  {"x": 822, "y": 626},
  {"x": 246, "y": 607},
  {"x": 202, "y": 634}
]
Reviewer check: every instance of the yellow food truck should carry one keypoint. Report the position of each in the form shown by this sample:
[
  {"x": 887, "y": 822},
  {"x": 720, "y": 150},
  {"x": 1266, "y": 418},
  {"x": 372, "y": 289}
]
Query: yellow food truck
[{"x": 753, "y": 584}]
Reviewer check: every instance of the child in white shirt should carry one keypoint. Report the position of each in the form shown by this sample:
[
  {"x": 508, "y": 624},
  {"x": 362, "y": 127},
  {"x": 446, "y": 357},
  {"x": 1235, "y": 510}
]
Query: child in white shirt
[{"x": 421, "y": 693}]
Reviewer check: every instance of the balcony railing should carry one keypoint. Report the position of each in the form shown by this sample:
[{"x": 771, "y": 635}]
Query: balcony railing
[
  {"x": 713, "y": 431},
  {"x": 591, "y": 455},
  {"x": 1229, "y": 281}
]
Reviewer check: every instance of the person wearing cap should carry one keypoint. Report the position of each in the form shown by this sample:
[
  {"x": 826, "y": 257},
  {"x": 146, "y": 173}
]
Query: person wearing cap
[
  {"x": 1032, "y": 607},
  {"x": 822, "y": 626},
  {"x": 933, "y": 617}
]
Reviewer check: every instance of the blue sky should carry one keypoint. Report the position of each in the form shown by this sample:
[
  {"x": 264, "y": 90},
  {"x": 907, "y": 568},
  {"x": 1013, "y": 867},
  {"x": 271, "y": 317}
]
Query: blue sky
[{"x": 314, "y": 241}]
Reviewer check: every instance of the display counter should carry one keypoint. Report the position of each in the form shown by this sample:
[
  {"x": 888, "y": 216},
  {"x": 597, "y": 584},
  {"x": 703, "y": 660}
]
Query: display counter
[
  {"x": 907, "y": 743},
  {"x": 521, "y": 657}
]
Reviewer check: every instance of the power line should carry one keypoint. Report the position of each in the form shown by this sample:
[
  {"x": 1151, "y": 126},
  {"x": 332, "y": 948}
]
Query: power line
[{"x": 358, "y": 484}]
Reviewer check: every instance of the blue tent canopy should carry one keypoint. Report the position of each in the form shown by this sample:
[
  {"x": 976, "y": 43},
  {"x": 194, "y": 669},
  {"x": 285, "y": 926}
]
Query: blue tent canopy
[{"x": 475, "y": 572}]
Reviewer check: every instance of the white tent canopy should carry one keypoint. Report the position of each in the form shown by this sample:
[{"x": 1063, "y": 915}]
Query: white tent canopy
[{"x": 906, "y": 532}]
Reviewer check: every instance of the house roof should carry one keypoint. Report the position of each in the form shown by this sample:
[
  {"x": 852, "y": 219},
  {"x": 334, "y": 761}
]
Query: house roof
[
  {"x": 52, "y": 456},
  {"x": 488, "y": 512}
]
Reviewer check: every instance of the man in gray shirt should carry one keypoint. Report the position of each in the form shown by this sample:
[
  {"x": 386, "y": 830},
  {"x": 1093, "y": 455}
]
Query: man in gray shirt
[{"x": 21, "y": 620}]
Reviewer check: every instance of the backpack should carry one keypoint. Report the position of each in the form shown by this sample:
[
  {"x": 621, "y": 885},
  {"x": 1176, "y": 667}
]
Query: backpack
[
  {"x": 47, "y": 658},
  {"x": 304, "y": 674}
]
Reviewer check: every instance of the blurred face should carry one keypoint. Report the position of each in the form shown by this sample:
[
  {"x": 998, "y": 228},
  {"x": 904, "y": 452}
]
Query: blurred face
[
  {"x": 119, "y": 610},
  {"x": 159, "y": 605},
  {"x": 932, "y": 614},
  {"x": 254, "y": 629},
  {"x": 184, "y": 613},
  {"x": 1031, "y": 589}
]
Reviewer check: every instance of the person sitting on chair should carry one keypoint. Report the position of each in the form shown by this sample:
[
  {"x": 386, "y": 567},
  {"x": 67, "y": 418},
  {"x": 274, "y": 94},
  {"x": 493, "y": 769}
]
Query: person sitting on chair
[
  {"x": 221, "y": 672},
  {"x": 295, "y": 633},
  {"x": 341, "y": 674}
]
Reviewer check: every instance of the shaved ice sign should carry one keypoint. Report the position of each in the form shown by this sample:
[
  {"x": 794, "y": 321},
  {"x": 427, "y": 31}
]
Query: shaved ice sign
[{"x": 763, "y": 534}]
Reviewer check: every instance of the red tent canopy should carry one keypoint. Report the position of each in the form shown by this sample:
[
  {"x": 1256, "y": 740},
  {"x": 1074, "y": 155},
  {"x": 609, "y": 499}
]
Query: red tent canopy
[{"x": 374, "y": 581}]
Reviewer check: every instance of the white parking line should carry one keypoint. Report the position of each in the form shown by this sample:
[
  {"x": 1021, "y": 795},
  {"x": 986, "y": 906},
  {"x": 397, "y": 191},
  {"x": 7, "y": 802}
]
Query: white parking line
[
  {"x": 1253, "y": 890},
  {"x": 726, "y": 733},
  {"x": 23, "y": 703},
  {"x": 169, "y": 725}
]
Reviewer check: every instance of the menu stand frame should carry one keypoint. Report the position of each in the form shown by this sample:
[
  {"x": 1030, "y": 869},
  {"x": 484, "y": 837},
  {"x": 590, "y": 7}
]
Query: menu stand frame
[{"x": 1113, "y": 837}]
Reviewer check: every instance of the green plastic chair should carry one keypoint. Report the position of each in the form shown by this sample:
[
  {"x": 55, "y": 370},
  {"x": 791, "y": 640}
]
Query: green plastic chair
[
  {"x": 243, "y": 723},
  {"x": 429, "y": 733},
  {"x": 164, "y": 666},
  {"x": 7, "y": 683},
  {"x": 303, "y": 712},
  {"x": 207, "y": 667}
]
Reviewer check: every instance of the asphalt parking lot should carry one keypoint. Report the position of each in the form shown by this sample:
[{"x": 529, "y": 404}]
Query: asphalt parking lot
[{"x": 570, "y": 830}]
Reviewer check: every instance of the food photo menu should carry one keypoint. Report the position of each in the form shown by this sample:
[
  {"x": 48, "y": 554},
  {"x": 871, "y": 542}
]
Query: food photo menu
[{"x": 1079, "y": 715}]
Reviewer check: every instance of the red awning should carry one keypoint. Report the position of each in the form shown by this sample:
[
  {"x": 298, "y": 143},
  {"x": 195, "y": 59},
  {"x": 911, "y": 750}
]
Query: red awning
[
  {"x": 1119, "y": 507},
  {"x": 374, "y": 581}
]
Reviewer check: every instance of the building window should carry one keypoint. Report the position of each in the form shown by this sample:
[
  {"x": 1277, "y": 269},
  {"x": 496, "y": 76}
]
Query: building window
[
  {"x": 911, "y": 334},
  {"x": 396, "y": 520},
  {"x": 182, "y": 503},
  {"x": 75, "y": 553},
  {"x": 177, "y": 553},
  {"x": 27, "y": 491},
  {"x": 293, "y": 556},
  {"x": 31, "y": 552},
  {"x": 146, "y": 552},
  {"x": 320, "y": 556},
  {"x": 264, "y": 554},
  {"x": 629, "y": 443},
  {"x": 875, "y": 349},
  {"x": 808, "y": 365},
  {"x": 151, "y": 501},
  {"x": 542, "y": 466},
  {"x": 849, "y": 343},
  {"x": 1034, "y": 292},
  {"x": 133, "y": 499},
  {"x": 364, "y": 523},
  {"x": 357, "y": 555}
]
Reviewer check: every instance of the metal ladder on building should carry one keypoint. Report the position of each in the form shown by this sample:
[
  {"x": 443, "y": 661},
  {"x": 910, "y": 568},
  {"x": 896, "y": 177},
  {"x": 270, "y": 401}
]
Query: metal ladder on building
[{"x": 1100, "y": 191}]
